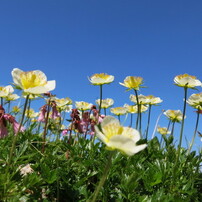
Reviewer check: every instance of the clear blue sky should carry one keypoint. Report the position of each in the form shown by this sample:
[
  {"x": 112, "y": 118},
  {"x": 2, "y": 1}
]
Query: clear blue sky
[{"x": 72, "y": 39}]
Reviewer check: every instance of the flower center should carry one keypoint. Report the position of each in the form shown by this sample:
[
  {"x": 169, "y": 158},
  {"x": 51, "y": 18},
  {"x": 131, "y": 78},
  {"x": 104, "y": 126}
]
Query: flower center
[{"x": 31, "y": 80}]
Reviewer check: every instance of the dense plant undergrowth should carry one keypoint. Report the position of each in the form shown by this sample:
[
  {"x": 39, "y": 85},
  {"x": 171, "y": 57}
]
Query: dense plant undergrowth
[{"x": 43, "y": 160}]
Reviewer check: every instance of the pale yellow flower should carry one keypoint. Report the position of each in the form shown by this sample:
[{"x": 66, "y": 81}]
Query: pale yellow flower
[
  {"x": 163, "y": 130},
  {"x": 132, "y": 82},
  {"x": 149, "y": 99},
  {"x": 106, "y": 103},
  {"x": 174, "y": 115},
  {"x": 16, "y": 109},
  {"x": 100, "y": 79},
  {"x": 62, "y": 101},
  {"x": 186, "y": 80},
  {"x": 117, "y": 137},
  {"x": 133, "y": 108},
  {"x": 12, "y": 97},
  {"x": 83, "y": 105},
  {"x": 30, "y": 113},
  {"x": 32, "y": 82},
  {"x": 118, "y": 110},
  {"x": 195, "y": 100},
  {"x": 5, "y": 91}
]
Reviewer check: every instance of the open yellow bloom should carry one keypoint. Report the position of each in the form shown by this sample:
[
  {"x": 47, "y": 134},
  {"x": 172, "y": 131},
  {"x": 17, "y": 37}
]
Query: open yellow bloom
[
  {"x": 163, "y": 131},
  {"x": 174, "y": 115},
  {"x": 5, "y": 91},
  {"x": 134, "y": 110},
  {"x": 30, "y": 113},
  {"x": 118, "y": 110},
  {"x": 32, "y": 82},
  {"x": 195, "y": 100},
  {"x": 120, "y": 138},
  {"x": 132, "y": 82},
  {"x": 149, "y": 99},
  {"x": 83, "y": 105},
  {"x": 186, "y": 80},
  {"x": 100, "y": 79},
  {"x": 106, "y": 103}
]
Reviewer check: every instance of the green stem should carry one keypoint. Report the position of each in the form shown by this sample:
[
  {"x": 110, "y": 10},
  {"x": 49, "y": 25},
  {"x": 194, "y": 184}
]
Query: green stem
[
  {"x": 148, "y": 121},
  {"x": 173, "y": 126},
  {"x": 45, "y": 127},
  {"x": 100, "y": 105},
  {"x": 1, "y": 101},
  {"x": 196, "y": 127},
  {"x": 131, "y": 120},
  {"x": 103, "y": 178},
  {"x": 183, "y": 117},
  {"x": 138, "y": 109}
]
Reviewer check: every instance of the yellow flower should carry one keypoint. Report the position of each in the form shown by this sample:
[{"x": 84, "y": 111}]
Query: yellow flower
[
  {"x": 149, "y": 99},
  {"x": 100, "y": 79},
  {"x": 133, "y": 108},
  {"x": 83, "y": 105},
  {"x": 195, "y": 100},
  {"x": 32, "y": 82},
  {"x": 16, "y": 109},
  {"x": 118, "y": 110},
  {"x": 5, "y": 91},
  {"x": 30, "y": 113},
  {"x": 186, "y": 80},
  {"x": 11, "y": 97},
  {"x": 163, "y": 130},
  {"x": 132, "y": 82},
  {"x": 117, "y": 137},
  {"x": 174, "y": 115},
  {"x": 62, "y": 101},
  {"x": 106, "y": 103}
]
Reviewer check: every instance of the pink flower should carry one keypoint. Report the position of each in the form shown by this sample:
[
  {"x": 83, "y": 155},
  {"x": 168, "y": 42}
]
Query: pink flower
[
  {"x": 3, "y": 123},
  {"x": 55, "y": 114},
  {"x": 42, "y": 114}
]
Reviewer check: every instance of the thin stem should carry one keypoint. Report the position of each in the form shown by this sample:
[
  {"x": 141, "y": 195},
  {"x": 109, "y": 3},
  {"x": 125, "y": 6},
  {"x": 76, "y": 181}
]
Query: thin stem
[
  {"x": 183, "y": 116},
  {"x": 100, "y": 105},
  {"x": 156, "y": 125},
  {"x": 138, "y": 109},
  {"x": 173, "y": 126},
  {"x": 196, "y": 127},
  {"x": 131, "y": 120},
  {"x": 45, "y": 127},
  {"x": 148, "y": 120},
  {"x": 103, "y": 178},
  {"x": 119, "y": 118},
  {"x": 1, "y": 101}
]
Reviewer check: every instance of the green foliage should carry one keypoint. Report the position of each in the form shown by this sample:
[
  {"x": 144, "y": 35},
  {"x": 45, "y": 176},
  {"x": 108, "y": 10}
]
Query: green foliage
[{"x": 70, "y": 171}]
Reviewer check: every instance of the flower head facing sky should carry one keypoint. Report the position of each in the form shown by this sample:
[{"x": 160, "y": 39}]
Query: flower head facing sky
[
  {"x": 81, "y": 105},
  {"x": 195, "y": 100},
  {"x": 149, "y": 99},
  {"x": 163, "y": 130},
  {"x": 100, "y": 79},
  {"x": 106, "y": 103},
  {"x": 186, "y": 80},
  {"x": 132, "y": 82},
  {"x": 174, "y": 115},
  {"x": 32, "y": 82},
  {"x": 5, "y": 91},
  {"x": 118, "y": 110},
  {"x": 117, "y": 137}
]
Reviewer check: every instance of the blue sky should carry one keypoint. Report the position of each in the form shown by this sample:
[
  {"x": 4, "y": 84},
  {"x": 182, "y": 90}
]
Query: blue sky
[{"x": 70, "y": 40}]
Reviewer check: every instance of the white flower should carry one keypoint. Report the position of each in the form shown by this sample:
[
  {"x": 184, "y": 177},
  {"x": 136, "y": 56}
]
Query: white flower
[
  {"x": 186, "y": 80},
  {"x": 5, "y": 91},
  {"x": 26, "y": 170},
  {"x": 32, "y": 82},
  {"x": 118, "y": 137},
  {"x": 100, "y": 79}
]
